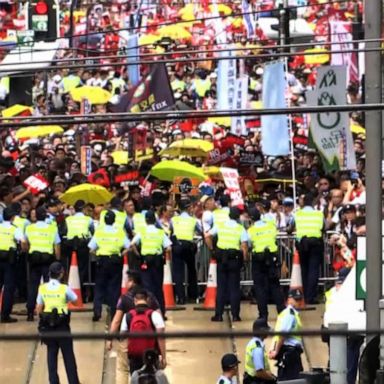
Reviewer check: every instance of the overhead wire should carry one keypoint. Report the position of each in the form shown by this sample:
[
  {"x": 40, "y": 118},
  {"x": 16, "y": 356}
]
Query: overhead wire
[
  {"x": 176, "y": 115},
  {"x": 239, "y": 14}
]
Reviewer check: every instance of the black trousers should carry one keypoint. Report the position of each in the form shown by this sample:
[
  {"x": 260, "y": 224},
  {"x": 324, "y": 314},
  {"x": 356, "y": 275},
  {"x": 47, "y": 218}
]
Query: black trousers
[
  {"x": 311, "y": 252},
  {"x": 66, "y": 347},
  {"x": 8, "y": 283},
  {"x": 289, "y": 363},
  {"x": 36, "y": 272},
  {"x": 266, "y": 284},
  {"x": 228, "y": 282},
  {"x": 183, "y": 253},
  {"x": 152, "y": 276},
  {"x": 107, "y": 284}
]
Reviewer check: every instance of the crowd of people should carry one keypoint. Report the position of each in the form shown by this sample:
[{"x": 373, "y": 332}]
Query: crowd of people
[{"x": 145, "y": 219}]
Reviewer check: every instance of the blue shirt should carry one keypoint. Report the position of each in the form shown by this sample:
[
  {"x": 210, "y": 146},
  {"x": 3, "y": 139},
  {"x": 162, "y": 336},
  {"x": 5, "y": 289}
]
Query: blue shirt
[
  {"x": 258, "y": 354},
  {"x": 43, "y": 224},
  {"x": 53, "y": 285},
  {"x": 92, "y": 245},
  {"x": 231, "y": 223},
  {"x": 288, "y": 323},
  {"x": 152, "y": 228}
]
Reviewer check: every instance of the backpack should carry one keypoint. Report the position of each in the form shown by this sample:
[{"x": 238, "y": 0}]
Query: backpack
[{"x": 139, "y": 321}]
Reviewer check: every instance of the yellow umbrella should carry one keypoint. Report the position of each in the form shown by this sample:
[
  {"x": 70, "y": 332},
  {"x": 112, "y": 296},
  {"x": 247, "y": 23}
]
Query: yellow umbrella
[
  {"x": 224, "y": 121},
  {"x": 222, "y": 8},
  {"x": 317, "y": 56},
  {"x": 357, "y": 128},
  {"x": 149, "y": 39},
  {"x": 188, "y": 147},
  {"x": 16, "y": 110},
  {"x": 90, "y": 193},
  {"x": 175, "y": 32},
  {"x": 95, "y": 95},
  {"x": 38, "y": 131},
  {"x": 167, "y": 170}
]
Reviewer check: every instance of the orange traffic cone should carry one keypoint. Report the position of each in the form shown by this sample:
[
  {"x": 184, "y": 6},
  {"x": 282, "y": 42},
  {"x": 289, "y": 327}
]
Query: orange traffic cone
[
  {"x": 297, "y": 280},
  {"x": 169, "y": 297},
  {"x": 124, "y": 277},
  {"x": 211, "y": 290},
  {"x": 74, "y": 284}
]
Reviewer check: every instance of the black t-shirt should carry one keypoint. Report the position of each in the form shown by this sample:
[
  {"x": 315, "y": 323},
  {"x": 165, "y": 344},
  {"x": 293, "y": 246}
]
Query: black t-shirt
[{"x": 126, "y": 301}]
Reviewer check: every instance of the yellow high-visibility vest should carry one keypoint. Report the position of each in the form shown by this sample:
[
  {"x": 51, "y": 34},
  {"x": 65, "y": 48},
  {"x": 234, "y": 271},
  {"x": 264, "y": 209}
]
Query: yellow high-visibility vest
[
  {"x": 21, "y": 223},
  {"x": 109, "y": 243},
  {"x": 41, "y": 239},
  {"x": 220, "y": 216},
  {"x": 309, "y": 223},
  {"x": 78, "y": 226},
  {"x": 54, "y": 298},
  {"x": 152, "y": 242},
  {"x": 7, "y": 237},
  {"x": 184, "y": 227},
  {"x": 249, "y": 366},
  {"x": 139, "y": 223},
  {"x": 229, "y": 237},
  {"x": 263, "y": 236}
]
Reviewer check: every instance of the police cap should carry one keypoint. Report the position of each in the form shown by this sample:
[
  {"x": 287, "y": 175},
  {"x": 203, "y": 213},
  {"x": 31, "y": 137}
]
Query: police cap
[
  {"x": 228, "y": 361},
  {"x": 295, "y": 294},
  {"x": 56, "y": 268},
  {"x": 260, "y": 323}
]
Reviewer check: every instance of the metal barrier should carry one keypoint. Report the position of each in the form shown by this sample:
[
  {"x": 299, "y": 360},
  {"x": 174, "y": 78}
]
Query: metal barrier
[{"x": 286, "y": 248}]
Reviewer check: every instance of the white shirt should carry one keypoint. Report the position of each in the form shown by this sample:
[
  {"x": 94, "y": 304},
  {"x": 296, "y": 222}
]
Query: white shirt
[
  {"x": 157, "y": 321},
  {"x": 224, "y": 380}
]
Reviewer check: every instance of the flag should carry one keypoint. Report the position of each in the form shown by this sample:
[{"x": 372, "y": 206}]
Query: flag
[
  {"x": 226, "y": 80},
  {"x": 330, "y": 131},
  {"x": 153, "y": 93},
  {"x": 341, "y": 39},
  {"x": 133, "y": 55},
  {"x": 248, "y": 18},
  {"x": 238, "y": 126},
  {"x": 274, "y": 128}
]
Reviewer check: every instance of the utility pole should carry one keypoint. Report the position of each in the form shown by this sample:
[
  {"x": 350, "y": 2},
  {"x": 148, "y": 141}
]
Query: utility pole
[{"x": 373, "y": 123}]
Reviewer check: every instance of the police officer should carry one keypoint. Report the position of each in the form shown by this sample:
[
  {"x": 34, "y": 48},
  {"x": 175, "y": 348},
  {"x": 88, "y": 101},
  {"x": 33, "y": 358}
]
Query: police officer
[
  {"x": 230, "y": 254},
  {"x": 21, "y": 257},
  {"x": 287, "y": 350},
  {"x": 121, "y": 219},
  {"x": 54, "y": 317},
  {"x": 79, "y": 229},
  {"x": 153, "y": 242},
  {"x": 265, "y": 264},
  {"x": 230, "y": 367},
  {"x": 107, "y": 242},
  {"x": 184, "y": 250},
  {"x": 43, "y": 246},
  {"x": 309, "y": 225},
  {"x": 257, "y": 370},
  {"x": 10, "y": 236},
  {"x": 220, "y": 215}
]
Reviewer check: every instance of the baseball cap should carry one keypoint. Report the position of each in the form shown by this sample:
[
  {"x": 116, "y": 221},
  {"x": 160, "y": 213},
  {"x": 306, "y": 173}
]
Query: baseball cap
[
  {"x": 295, "y": 294},
  {"x": 288, "y": 201},
  {"x": 349, "y": 208},
  {"x": 260, "y": 323},
  {"x": 229, "y": 360},
  {"x": 56, "y": 268}
]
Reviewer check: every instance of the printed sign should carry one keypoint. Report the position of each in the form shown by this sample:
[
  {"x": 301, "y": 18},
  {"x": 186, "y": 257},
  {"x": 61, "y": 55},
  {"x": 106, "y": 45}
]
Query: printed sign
[
  {"x": 36, "y": 183},
  {"x": 186, "y": 186},
  {"x": 85, "y": 160},
  {"x": 251, "y": 158},
  {"x": 231, "y": 180}
]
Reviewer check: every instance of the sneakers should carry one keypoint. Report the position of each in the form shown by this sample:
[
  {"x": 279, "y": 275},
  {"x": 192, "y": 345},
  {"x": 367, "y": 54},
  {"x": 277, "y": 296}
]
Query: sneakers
[
  {"x": 217, "y": 318},
  {"x": 8, "y": 319}
]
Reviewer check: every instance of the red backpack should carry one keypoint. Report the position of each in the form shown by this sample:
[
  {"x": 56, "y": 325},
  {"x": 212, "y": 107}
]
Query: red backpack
[{"x": 140, "y": 322}]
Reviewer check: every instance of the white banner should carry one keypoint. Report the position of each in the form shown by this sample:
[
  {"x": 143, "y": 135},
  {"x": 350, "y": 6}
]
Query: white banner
[
  {"x": 330, "y": 131},
  {"x": 341, "y": 39},
  {"x": 226, "y": 81},
  {"x": 238, "y": 126},
  {"x": 231, "y": 180}
]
